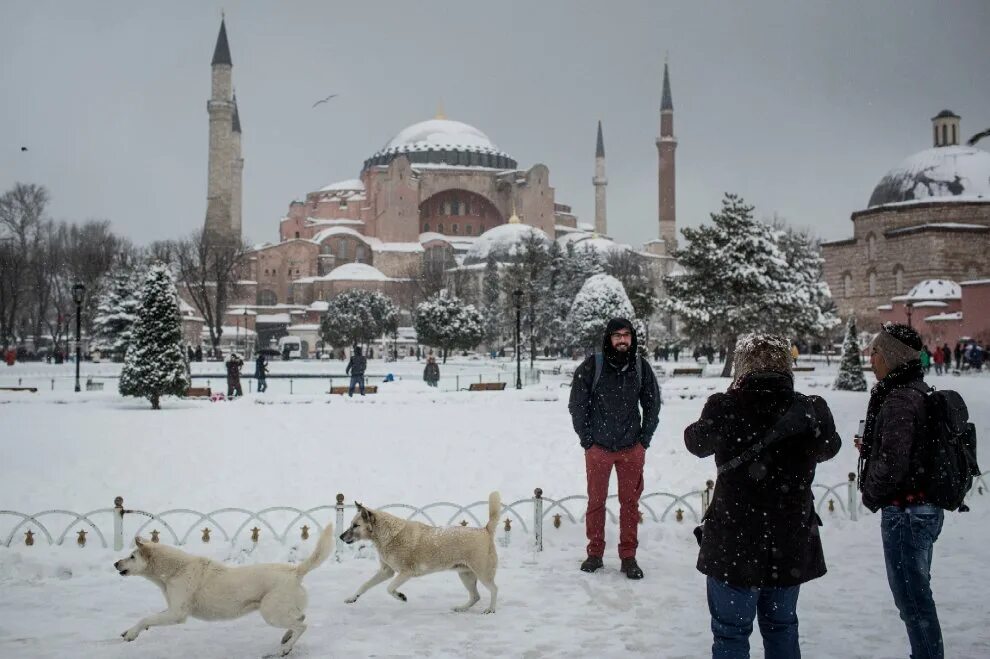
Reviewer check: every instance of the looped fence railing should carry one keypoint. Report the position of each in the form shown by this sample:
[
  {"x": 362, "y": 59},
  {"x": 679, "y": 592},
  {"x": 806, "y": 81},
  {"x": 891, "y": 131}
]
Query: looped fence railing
[{"x": 287, "y": 525}]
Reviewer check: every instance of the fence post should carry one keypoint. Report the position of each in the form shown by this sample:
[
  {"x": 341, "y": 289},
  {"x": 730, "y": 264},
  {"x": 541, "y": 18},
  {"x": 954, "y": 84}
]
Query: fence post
[
  {"x": 706, "y": 496},
  {"x": 290, "y": 385},
  {"x": 340, "y": 525},
  {"x": 118, "y": 523},
  {"x": 457, "y": 383},
  {"x": 852, "y": 497},
  {"x": 538, "y": 517},
  {"x": 53, "y": 384}
]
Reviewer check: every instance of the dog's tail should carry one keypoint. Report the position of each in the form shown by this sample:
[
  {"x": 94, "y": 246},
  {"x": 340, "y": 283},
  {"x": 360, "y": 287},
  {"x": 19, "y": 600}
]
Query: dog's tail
[
  {"x": 494, "y": 510},
  {"x": 324, "y": 547}
]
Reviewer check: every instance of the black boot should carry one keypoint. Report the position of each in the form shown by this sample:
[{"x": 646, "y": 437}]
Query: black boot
[
  {"x": 631, "y": 568},
  {"x": 592, "y": 563}
]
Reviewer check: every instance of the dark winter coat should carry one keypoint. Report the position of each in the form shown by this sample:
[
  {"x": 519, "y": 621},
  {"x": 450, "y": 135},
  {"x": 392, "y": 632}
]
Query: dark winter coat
[
  {"x": 357, "y": 365},
  {"x": 609, "y": 416},
  {"x": 260, "y": 368},
  {"x": 432, "y": 372},
  {"x": 895, "y": 423},
  {"x": 234, "y": 365},
  {"x": 761, "y": 529}
]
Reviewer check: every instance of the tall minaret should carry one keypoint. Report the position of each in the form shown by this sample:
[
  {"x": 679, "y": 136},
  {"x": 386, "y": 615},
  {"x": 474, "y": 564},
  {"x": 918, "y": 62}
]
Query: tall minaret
[
  {"x": 219, "y": 186},
  {"x": 666, "y": 146},
  {"x": 601, "y": 219},
  {"x": 237, "y": 175}
]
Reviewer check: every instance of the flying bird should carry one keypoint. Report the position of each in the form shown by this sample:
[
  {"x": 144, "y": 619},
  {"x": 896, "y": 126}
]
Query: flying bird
[
  {"x": 976, "y": 138},
  {"x": 24, "y": 148},
  {"x": 324, "y": 100}
]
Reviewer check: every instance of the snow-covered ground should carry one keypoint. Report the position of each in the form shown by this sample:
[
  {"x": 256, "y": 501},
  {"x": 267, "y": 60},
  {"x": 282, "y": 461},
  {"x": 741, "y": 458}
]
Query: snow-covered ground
[{"x": 418, "y": 445}]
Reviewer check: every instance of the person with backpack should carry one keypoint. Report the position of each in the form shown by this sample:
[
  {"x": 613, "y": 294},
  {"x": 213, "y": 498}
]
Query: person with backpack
[
  {"x": 917, "y": 458},
  {"x": 759, "y": 539},
  {"x": 356, "y": 367},
  {"x": 607, "y": 392},
  {"x": 261, "y": 372}
]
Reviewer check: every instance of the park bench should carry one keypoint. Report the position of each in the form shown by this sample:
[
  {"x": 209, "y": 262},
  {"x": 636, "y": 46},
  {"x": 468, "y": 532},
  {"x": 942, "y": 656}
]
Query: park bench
[
  {"x": 803, "y": 369},
  {"x": 487, "y": 386},
  {"x": 687, "y": 370},
  {"x": 340, "y": 391},
  {"x": 198, "y": 392},
  {"x": 32, "y": 390},
  {"x": 94, "y": 386}
]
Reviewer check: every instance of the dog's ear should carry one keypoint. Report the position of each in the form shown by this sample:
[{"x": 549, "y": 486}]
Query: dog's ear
[
  {"x": 138, "y": 540},
  {"x": 357, "y": 504}
]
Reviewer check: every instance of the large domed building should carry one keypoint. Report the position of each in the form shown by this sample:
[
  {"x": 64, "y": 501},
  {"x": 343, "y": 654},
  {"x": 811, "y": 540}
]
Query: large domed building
[{"x": 928, "y": 218}]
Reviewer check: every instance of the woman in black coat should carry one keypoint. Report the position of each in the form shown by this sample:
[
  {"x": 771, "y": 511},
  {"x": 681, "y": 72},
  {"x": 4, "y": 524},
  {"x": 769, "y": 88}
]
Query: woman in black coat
[{"x": 760, "y": 539}]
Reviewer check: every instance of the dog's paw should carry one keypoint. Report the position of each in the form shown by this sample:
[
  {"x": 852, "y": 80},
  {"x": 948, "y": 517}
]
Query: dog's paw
[
  {"x": 284, "y": 651},
  {"x": 130, "y": 634},
  {"x": 489, "y": 610},
  {"x": 401, "y": 597},
  {"x": 350, "y": 600}
]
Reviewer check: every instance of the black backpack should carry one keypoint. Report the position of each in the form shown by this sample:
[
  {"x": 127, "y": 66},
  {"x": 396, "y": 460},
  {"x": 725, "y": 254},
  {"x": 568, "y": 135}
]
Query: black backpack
[{"x": 946, "y": 458}]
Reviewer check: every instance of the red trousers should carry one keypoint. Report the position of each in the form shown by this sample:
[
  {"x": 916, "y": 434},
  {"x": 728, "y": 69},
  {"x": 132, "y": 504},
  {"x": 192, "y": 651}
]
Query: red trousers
[{"x": 628, "y": 465}]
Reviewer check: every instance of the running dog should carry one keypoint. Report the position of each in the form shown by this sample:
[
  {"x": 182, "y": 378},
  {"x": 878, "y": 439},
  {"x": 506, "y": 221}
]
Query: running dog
[
  {"x": 199, "y": 587},
  {"x": 410, "y": 549}
]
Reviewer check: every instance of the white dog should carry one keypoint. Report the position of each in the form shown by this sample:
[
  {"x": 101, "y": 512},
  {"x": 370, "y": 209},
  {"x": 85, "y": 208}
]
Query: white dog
[
  {"x": 409, "y": 549},
  {"x": 199, "y": 587}
]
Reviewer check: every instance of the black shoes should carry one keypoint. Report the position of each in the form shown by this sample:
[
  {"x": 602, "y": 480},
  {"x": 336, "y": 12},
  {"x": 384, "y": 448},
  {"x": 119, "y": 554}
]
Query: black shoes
[
  {"x": 592, "y": 563},
  {"x": 630, "y": 568}
]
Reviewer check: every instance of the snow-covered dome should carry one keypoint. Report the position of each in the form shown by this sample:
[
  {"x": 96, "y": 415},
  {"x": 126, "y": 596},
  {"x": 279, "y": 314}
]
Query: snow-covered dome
[
  {"x": 945, "y": 173},
  {"x": 932, "y": 290},
  {"x": 504, "y": 241},
  {"x": 350, "y": 185},
  {"x": 443, "y": 142},
  {"x": 356, "y": 272}
]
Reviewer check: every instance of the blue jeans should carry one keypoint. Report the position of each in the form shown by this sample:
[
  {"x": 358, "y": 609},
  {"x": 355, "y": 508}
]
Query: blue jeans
[
  {"x": 909, "y": 537},
  {"x": 356, "y": 380},
  {"x": 733, "y": 609}
]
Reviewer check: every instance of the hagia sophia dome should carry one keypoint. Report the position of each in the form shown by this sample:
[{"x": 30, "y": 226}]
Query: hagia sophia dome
[{"x": 442, "y": 141}]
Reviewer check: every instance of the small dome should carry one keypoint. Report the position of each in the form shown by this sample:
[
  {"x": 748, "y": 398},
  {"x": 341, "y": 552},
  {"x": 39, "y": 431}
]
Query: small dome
[
  {"x": 504, "y": 242},
  {"x": 934, "y": 290},
  {"x": 443, "y": 142},
  {"x": 946, "y": 114},
  {"x": 946, "y": 173},
  {"x": 356, "y": 272}
]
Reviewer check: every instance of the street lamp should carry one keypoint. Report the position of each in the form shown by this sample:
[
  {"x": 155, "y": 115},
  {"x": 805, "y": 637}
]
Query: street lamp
[
  {"x": 245, "y": 334},
  {"x": 907, "y": 307},
  {"x": 78, "y": 294},
  {"x": 517, "y": 298}
]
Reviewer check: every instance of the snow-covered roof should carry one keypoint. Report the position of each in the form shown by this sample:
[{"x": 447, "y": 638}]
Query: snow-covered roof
[
  {"x": 336, "y": 222},
  {"x": 937, "y": 226},
  {"x": 348, "y": 185},
  {"x": 323, "y": 234},
  {"x": 356, "y": 272},
  {"x": 931, "y": 289},
  {"x": 603, "y": 246},
  {"x": 230, "y": 332},
  {"x": 503, "y": 241},
  {"x": 304, "y": 327},
  {"x": 945, "y": 173},
  {"x": 241, "y": 311},
  {"x": 930, "y": 304},
  {"x": 975, "y": 282},
  {"x": 319, "y": 305},
  {"x": 396, "y": 247},
  {"x": 955, "y": 315},
  {"x": 273, "y": 318},
  {"x": 455, "y": 139},
  {"x": 885, "y": 307}
]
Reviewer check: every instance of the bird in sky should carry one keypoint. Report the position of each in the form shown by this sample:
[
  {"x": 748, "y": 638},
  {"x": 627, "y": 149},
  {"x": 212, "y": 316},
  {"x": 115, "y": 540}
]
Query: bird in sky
[
  {"x": 24, "y": 148},
  {"x": 976, "y": 138},
  {"x": 324, "y": 100}
]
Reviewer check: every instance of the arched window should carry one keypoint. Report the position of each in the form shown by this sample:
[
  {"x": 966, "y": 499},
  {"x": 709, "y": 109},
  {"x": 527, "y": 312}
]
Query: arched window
[
  {"x": 972, "y": 272},
  {"x": 267, "y": 298},
  {"x": 446, "y": 209},
  {"x": 426, "y": 227},
  {"x": 847, "y": 285},
  {"x": 454, "y": 229},
  {"x": 359, "y": 254},
  {"x": 871, "y": 247},
  {"x": 469, "y": 230},
  {"x": 898, "y": 279},
  {"x": 945, "y": 134},
  {"x": 873, "y": 283},
  {"x": 440, "y": 228},
  {"x": 341, "y": 249}
]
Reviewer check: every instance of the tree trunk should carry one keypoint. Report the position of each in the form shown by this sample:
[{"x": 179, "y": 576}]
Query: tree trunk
[
  {"x": 154, "y": 402},
  {"x": 730, "y": 354}
]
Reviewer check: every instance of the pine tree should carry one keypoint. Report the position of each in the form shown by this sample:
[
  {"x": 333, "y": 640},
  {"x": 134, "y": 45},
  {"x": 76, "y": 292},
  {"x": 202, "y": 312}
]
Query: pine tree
[
  {"x": 551, "y": 318},
  {"x": 447, "y": 323},
  {"x": 850, "y": 376},
  {"x": 116, "y": 312},
  {"x": 358, "y": 317},
  {"x": 490, "y": 297},
  {"x": 155, "y": 364},
  {"x": 600, "y": 299}
]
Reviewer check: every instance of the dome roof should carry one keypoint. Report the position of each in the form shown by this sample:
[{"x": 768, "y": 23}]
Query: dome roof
[
  {"x": 931, "y": 290},
  {"x": 947, "y": 173},
  {"x": 443, "y": 142},
  {"x": 356, "y": 272},
  {"x": 504, "y": 242}
]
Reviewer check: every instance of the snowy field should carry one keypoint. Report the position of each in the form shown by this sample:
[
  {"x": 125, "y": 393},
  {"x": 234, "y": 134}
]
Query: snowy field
[{"x": 417, "y": 445}]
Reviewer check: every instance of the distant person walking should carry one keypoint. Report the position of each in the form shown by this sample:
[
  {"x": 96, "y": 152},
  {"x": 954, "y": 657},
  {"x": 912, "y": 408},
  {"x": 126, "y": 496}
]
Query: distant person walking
[
  {"x": 926, "y": 359},
  {"x": 947, "y": 353},
  {"x": 234, "y": 364},
  {"x": 607, "y": 392},
  {"x": 261, "y": 372},
  {"x": 431, "y": 374},
  {"x": 959, "y": 356},
  {"x": 795, "y": 353},
  {"x": 356, "y": 367},
  {"x": 939, "y": 358}
]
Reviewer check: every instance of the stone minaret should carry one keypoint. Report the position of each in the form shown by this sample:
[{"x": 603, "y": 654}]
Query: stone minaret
[
  {"x": 666, "y": 146},
  {"x": 237, "y": 175},
  {"x": 601, "y": 218},
  {"x": 224, "y": 149}
]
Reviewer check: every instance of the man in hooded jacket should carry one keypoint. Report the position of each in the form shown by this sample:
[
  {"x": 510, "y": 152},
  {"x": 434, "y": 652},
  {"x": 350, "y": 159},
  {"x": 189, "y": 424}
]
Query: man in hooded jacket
[{"x": 606, "y": 395}]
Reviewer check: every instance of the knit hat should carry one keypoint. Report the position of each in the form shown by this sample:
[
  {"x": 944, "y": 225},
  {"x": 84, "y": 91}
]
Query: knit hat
[
  {"x": 897, "y": 344},
  {"x": 758, "y": 353}
]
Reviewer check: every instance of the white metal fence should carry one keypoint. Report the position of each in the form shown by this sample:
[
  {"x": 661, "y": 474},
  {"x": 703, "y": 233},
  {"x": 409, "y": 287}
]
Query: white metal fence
[{"x": 109, "y": 527}]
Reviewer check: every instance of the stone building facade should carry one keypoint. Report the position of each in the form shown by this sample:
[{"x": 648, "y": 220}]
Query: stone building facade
[{"x": 927, "y": 219}]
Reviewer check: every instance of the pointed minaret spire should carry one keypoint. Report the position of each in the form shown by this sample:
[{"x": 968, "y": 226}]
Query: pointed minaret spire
[
  {"x": 600, "y": 147},
  {"x": 667, "y": 171},
  {"x": 600, "y": 181},
  {"x": 221, "y": 54},
  {"x": 666, "y": 102},
  {"x": 236, "y": 123}
]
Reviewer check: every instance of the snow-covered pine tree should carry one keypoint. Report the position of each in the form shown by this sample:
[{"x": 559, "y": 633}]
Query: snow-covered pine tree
[
  {"x": 551, "y": 317},
  {"x": 358, "y": 317},
  {"x": 600, "y": 299},
  {"x": 814, "y": 316},
  {"x": 447, "y": 323},
  {"x": 155, "y": 364},
  {"x": 116, "y": 311},
  {"x": 850, "y": 376},
  {"x": 490, "y": 297}
]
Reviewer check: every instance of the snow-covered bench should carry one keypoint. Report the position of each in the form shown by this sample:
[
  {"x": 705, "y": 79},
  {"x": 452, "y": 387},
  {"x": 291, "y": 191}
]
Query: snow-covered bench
[
  {"x": 32, "y": 390},
  {"x": 340, "y": 391},
  {"x": 687, "y": 370},
  {"x": 803, "y": 369},
  {"x": 199, "y": 392},
  {"x": 487, "y": 386}
]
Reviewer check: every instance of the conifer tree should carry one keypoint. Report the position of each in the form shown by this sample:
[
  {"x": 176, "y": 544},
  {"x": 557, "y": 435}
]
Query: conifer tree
[
  {"x": 116, "y": 311},
  {"x": 850, "y": 376},
  {"x": 600, "y": 299},
  {"x": 446, "y": 322},
  {"x": 490, "y": 296},
  {"x": 155, "y": 364}
]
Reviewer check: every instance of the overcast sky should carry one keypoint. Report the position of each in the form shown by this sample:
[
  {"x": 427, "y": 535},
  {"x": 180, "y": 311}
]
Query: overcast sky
[{"x": 798, "y": 106}]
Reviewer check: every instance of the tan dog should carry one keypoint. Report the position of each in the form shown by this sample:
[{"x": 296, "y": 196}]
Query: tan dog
[
  {"x": 199, "y": 587},
  {"x": 410, "y": 549}
]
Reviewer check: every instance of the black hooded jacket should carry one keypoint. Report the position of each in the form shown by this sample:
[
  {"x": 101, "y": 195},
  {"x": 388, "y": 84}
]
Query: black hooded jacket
[
  {"x": 761, "y": 529},
  {"x": 609, "y": 416}
]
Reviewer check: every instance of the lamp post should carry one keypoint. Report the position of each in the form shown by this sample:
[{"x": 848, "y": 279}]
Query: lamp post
[
  {"x": 517, "y": 298},
  {"x": 907, "y": 307},
  {"x": 245, "y": 334},
  {"x": 78, "y": 293}
]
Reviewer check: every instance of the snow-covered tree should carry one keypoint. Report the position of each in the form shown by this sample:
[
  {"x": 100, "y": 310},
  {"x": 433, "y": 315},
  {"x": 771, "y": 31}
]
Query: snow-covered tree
[
  {"x": 358, "y": 317},
  {"x": 490, "y": 296},
  {"x": 850, "y": 376},
  {"x": 116, "y": 311},
  {"x": 639, "y": 285},
  {"x": 155, "y": 364},
  {"x": 600, "y": 299},
  {"x": 551, "y": 317},
  {"x": 738, "y": 280},
  {"x": 816, "y": 317},
  {"x": 447, "y": 323}
]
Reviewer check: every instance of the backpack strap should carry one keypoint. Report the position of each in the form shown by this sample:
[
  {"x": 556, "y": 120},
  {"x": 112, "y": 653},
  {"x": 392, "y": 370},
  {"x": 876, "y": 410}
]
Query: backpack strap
[
  {"x": 599, "y": 365},
  {"x": 777, "y": 433}
]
